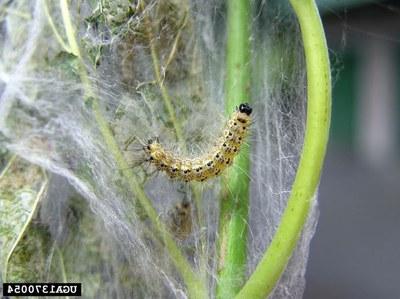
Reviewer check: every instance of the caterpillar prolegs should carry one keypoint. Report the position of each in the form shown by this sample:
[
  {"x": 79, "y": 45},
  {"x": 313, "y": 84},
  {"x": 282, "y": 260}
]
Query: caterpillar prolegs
[{"x": 210, "y": 164}]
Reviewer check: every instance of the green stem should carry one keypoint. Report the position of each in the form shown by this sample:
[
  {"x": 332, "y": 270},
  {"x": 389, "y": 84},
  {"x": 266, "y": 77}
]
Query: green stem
[
  {"x": 8, "y": 166},
  {"x": 165, "y": 95},
  {"x": 69, "y": 29},
  {"x": 164, "y": 92},
  {"x": 193, "y": 282},
  {"x": 234, "y": 199},
  {"x": 172, "y": 116},
  {"x": 196, "y": 288},
  {"x": 62, "y": 266},
  {"x": 54, "y": 29},
  {"x": 275, "y": 259}
]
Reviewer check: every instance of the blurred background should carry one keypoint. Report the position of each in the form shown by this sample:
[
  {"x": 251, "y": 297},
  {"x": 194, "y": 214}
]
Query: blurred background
[{"x": 355, "y": 252}]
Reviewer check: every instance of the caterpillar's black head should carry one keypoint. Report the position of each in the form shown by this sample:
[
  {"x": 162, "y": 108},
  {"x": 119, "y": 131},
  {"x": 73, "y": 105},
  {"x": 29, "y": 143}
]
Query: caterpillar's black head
[
  {"x": 153, "y": 140},
  {"x": 150, "y": 142},
  {"x": 245, "y": 108}
]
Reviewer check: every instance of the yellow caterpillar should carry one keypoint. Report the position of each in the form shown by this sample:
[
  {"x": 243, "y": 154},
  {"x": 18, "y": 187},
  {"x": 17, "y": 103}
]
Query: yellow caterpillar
[{"x": 209, "y": 164}]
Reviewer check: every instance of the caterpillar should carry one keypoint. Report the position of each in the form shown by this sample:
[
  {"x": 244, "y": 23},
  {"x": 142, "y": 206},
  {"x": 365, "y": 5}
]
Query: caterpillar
[{"x": 210, "y": 164}]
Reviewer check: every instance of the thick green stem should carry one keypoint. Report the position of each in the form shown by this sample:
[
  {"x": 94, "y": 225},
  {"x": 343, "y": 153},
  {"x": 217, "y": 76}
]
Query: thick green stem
[
  {"x": 196, "y": 288},
  {"x": 235, "y": 196},
  {"x": 275, "y": 259}
]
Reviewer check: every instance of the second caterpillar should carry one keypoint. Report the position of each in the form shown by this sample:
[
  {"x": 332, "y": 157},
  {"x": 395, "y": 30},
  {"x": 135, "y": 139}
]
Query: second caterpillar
[{"x": 210, "y": 164}]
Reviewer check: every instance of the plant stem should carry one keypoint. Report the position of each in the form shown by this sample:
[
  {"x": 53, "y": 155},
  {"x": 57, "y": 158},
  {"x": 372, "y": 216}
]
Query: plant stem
[
  {"x": 69, "y": 29},
  {"x": 53, "y": 27},
  {"x": 275, "y": 259},
  {"x": 196, "y": 288},
  {"x": 156, "y": 66},
  {"x": 234, "y": 199},
  {"x": 177, "y": 126},
  {"x": 62, "y": 266},
  {"x": 7, "y": 167}
]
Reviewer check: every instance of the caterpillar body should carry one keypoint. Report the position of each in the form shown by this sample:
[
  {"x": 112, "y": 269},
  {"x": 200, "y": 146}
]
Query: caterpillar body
[{"x": 210, "y": 164}]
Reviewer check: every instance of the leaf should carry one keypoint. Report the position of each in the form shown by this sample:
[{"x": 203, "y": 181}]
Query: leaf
[
  {"x": 28, "y": 260},
  {"x": 67, "y": 63},
  {"x": 22, "y": 186}
]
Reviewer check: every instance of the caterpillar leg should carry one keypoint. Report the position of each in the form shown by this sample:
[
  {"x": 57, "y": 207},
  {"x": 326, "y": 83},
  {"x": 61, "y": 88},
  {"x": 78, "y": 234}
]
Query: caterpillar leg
[{"x": 131, "y": 140}]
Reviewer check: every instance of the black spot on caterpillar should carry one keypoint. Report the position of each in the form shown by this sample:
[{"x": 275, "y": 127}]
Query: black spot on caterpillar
[{"x": 209, "y": 164}]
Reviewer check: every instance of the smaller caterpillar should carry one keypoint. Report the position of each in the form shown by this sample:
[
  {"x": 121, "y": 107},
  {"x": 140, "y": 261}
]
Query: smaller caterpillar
[
  {"x": 180, "y": 220},
  {"x": 210, "y": 164}
]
